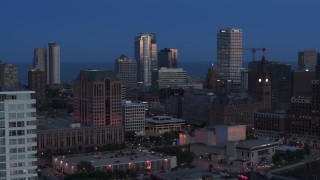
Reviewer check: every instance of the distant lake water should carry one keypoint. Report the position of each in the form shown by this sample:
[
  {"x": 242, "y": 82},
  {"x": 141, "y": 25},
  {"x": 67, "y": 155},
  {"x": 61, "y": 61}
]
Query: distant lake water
[{"x": 70, "y": 70}]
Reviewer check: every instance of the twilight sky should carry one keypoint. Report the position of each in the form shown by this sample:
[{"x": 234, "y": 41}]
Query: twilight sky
[{"x": 102, "y": 30}]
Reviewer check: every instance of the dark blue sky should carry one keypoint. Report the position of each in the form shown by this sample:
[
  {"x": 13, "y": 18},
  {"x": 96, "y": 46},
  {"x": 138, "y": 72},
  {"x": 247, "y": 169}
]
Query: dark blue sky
[{"x": 101, "y": 30}]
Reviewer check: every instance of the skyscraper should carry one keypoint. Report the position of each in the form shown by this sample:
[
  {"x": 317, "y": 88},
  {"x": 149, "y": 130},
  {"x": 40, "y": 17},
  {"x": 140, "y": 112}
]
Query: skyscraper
[
  {"x": 126, "y": 71},
  {"x": 307, "y": 60},
  {"x": 168, "y": 57},
  {"x": 53, "y": 63},
  {"x": 38, "y": 59},
  {"x": 145, "y": 53},
  {"x": 97, "y": 98},
  {"x": 8, "y": 75},
  {"x": 18, "y": 138},
  {"x": 229, "y": 54}
]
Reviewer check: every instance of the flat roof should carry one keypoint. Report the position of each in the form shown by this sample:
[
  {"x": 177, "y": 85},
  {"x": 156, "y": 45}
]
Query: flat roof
[
  {"x": 54, "y": 124},
  {"x": 109, "y": 158},
  {"x": 285, "y": 148},
  {"x": 163, "y": 120},
  {"x": 257, "y": 143},
  {"x": 186, "y": 174},
  {"x": 59, "y": 124}
]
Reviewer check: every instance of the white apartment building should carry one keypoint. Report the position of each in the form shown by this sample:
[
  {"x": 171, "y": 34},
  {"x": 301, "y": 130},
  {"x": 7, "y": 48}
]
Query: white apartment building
[
  {"x": 133, "y": 116},
  {"x": 17, "y": 136}
]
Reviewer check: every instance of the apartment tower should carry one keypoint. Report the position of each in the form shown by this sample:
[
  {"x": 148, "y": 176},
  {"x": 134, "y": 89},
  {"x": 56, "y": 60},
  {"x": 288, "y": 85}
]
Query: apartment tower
[
  {"x": 18, "y": 138},
  {"x": 53, "y": 63}
]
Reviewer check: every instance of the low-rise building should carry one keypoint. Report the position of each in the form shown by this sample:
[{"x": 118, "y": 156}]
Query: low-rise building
[
  {"x": 254, "y": 151},
  {"x": 161, "y": 124},
  {"x": 63, "y": 133},
  {"x": 216, "y": 136},
  {"x": 109, "y": 161}
]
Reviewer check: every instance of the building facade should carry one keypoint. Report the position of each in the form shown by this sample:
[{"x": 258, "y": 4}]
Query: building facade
[
  {"x": 38, "y": 59},
  {"x": 279, "y": 75},
  {"x": 64, "y": 134},
  {"x": 97, "y": 98},
  {"x": 272, "y": 125},
  {"x": 197, "y": 108},
  {"x": 145, "y": 53},
  {"x": 301, "y": 82},
  {"x": 17, "y": 136},
  {"x": 37, "y": 82},
  {"x": 126, "y": 71},
  {"x": 160, "y": 124},
  {"x": 8, "y": 75},
  {"x": 168, "y": 77},
  {"x": 53, "y": 63},
  {"x": 229, "y": 54},
  {"x": 168, "y": 57},
  {"x": 133, "y": 116},
  {"x": 307, "y": 60}
]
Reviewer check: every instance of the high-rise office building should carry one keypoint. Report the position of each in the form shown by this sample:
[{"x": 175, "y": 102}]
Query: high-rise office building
[
  {"x": 168, "y": 57},
  {"x": 97, "y": 98},
  {"x": 37, "y": 82},
  {"x": 38, "y": 59},
  {"x": 145, "y": 53},
  {"x": 18, "y": 138},
  {"x": 229, "y": 54},
  {"x": 165, "y": 78},
  {"x": 8, "y": 75},
  {"x": 126, "y": 71},
  {"x": 301, "y": 82},
  {"x": 280, "y": 76},
  {"x": 307, "y": 60},
  {"x": 133, "y": 116},
  {"x": 53, "y": 63}
]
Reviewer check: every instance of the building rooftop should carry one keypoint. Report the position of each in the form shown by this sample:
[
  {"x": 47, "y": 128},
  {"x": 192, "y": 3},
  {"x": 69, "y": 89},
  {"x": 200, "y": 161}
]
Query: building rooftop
[
  {"x": 163, "y": 120},
  {"x": 52, "y": 124},
  {"x": 97, "y": 75},
  {"x": 186, "y": 174},
  {"x": 257, "y": 143},
  {"x": 108, "y": 158},
  {"x": 286, "y": 148}
]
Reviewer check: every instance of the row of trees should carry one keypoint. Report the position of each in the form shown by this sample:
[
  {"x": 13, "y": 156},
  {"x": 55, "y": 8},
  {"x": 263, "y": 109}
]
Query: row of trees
[
  {"x": 289, "y": 157},
  {"x": 167, "y": 138}
]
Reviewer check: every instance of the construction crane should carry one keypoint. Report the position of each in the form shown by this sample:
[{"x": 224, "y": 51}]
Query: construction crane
[{"x": 253, "y": 50}]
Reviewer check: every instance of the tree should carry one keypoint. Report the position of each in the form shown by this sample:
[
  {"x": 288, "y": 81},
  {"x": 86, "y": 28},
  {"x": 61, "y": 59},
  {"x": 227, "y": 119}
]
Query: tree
[
  {"x": 85, "y": 167},
  {"x": 276, "y": 159},
  {"x": 299, "y": 154},
  {"x": 307, "y": 149},
  {"x": 210, "y": 167},
  {"x": 168, "y": 137},
  {"x": 289, "y": 156},
  {"x": 129, "y": 135}
]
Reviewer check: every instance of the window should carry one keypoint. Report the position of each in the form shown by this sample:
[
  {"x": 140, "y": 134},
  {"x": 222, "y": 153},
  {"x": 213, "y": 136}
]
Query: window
[
  {"x": 2, "y": 150},
  {"x": 2, "y": 166},
  {"x": 12, "y": 107},
  {"x": 20, "y": 106},
  {"x": 20, "y": 115},
  {"x": 20, "y": 124},
  {"x": 2, "y": 158},
  {"x": 2, "y": 125},
  {"x": 2, "y": 133},
  {"x": 1, "y": 115},
  {"x": 12, "y": 115},
  {"x": 1, "y": 107}
]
